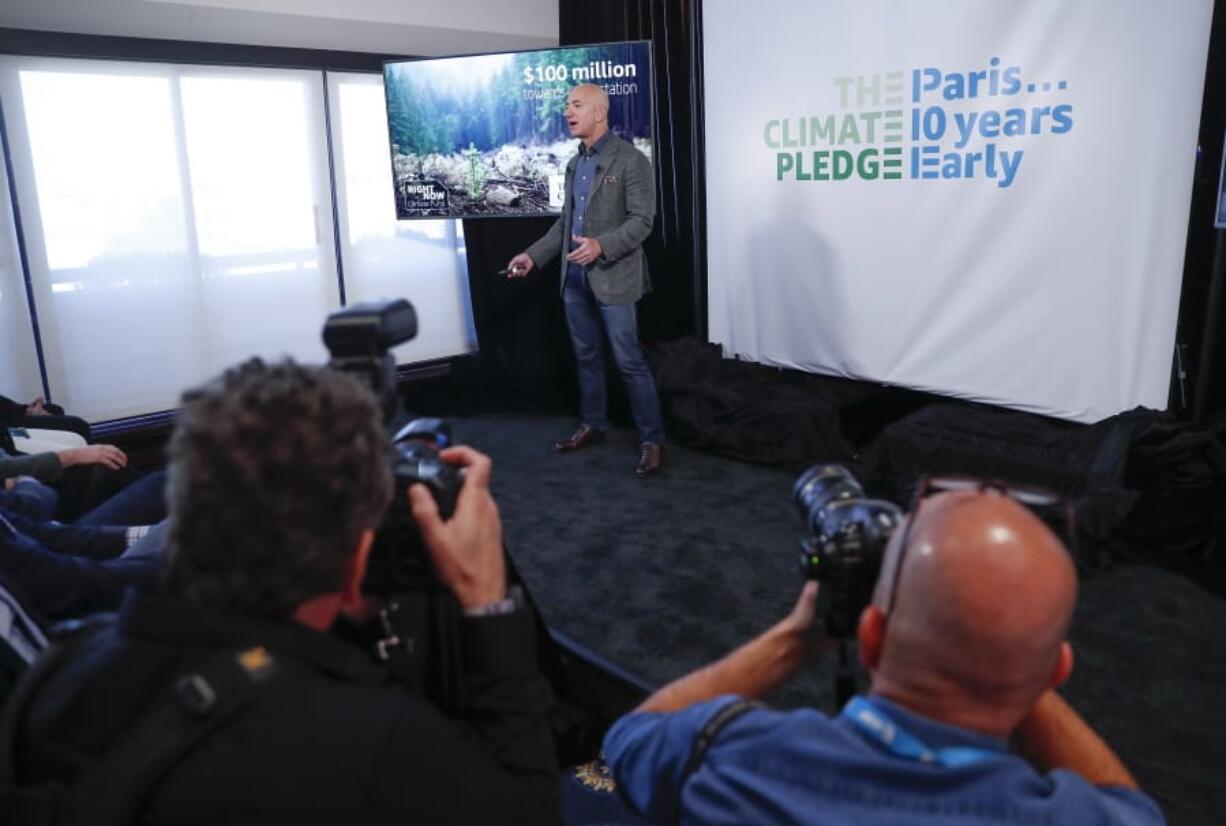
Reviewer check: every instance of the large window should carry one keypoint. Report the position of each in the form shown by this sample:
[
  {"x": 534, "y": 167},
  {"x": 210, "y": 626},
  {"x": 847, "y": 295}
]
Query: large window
[
  {"x": 179, "y": 219},
  {"x": 422, "y": 261}
]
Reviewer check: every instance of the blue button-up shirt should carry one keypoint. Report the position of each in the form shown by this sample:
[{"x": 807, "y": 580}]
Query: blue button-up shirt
[
  {"x": 584, "y": 182},
  {"x": 803, "y": 767}
]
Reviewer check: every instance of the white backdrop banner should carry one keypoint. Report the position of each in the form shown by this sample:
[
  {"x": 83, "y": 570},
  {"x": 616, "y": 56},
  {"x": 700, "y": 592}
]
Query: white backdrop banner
[{"x": 986, "y": 200}]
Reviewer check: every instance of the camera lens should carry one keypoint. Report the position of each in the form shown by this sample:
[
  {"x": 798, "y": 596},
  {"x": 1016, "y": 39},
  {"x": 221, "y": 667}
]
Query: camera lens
[
  {"x": 820, "y": 485},
  {"x": 847, "y": 536}
]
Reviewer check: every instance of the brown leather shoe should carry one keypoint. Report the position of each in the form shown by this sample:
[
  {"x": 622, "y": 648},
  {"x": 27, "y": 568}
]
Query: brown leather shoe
[
  {"x": 584, "y": 436},
  {"x": 651, "y": 459}
]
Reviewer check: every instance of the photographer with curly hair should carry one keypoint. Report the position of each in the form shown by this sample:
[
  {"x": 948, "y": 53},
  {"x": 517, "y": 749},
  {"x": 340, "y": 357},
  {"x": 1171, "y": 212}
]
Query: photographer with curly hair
[{"x": 278, "y": 480}]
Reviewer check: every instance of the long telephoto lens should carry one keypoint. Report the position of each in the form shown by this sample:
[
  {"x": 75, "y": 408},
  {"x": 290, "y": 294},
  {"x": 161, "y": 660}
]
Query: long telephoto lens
[{"x": 820, "y": 485}]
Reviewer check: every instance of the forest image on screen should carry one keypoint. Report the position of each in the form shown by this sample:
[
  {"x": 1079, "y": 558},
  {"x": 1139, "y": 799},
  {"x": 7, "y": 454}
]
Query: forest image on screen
[{"x": 485, "y": 136}]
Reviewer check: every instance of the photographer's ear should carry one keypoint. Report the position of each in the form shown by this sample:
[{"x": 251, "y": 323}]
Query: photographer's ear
[
  {"x": 871, "y": 636},
  {"x": 1064, "y": 666},
  {"x": 355, "y": 569}
]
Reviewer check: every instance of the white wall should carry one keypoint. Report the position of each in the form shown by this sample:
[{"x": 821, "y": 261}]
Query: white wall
[{"x": 416, "y": 27}]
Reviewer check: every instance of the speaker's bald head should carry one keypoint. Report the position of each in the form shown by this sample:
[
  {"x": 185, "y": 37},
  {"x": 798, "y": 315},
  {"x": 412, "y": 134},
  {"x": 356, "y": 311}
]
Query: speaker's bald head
[{"x": 596, "y": 94}]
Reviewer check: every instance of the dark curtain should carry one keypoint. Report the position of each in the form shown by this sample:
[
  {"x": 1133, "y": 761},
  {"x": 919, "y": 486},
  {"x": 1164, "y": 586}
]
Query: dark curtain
[
  {"x": 1201, "y": 340},
  {"x": 525, "y": 353}
]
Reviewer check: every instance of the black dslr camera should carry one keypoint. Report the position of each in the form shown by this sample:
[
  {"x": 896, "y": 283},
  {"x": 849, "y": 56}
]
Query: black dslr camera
[
  {"x": 418, "y": 625},
  {"x": 359, "y": 338},
  {"x": 846, "y": 543}
]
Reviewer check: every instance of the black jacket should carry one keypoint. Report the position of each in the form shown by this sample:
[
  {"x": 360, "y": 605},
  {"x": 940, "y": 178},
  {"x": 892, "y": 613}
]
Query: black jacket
[
  {"x": 324, "y": 740},
  {"x": 11, "y": 412},
  {"x": 16, "y": 414}
]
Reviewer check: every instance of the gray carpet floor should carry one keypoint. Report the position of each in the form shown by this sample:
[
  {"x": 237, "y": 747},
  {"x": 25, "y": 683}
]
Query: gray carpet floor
[{"x": 663, "y": 575}]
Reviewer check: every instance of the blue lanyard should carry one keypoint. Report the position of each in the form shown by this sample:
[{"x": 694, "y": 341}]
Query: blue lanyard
[{"x": 874, "y": 722}]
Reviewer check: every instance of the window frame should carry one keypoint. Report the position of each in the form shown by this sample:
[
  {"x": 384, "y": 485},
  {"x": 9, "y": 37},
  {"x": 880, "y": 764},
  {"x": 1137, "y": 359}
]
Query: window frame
[{"x": 31, "y": 43}]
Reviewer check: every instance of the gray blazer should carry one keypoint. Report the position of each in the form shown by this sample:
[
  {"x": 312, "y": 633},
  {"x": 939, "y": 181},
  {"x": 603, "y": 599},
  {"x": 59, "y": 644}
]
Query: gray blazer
[{"x": 619, "y": 215}]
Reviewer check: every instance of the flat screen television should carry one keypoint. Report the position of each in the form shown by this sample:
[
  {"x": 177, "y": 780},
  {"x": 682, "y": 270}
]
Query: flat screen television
[{"x": 484, "y": 135}]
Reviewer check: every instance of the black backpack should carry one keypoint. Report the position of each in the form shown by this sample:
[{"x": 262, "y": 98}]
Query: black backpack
[
  {"x": 116, "y": 788},
  {"x": 23, "y": 637}
]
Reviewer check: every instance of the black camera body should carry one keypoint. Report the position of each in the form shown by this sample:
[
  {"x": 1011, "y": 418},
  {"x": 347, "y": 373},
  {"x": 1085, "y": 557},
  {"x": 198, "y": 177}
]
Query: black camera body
[
  {"x": 415, "y": 459},
  {"x": 398, "y": 562},
  {"x": 416, "y": 634},
  {"x": 359, "y": 339},
  {"x": 848, "y": 534}
]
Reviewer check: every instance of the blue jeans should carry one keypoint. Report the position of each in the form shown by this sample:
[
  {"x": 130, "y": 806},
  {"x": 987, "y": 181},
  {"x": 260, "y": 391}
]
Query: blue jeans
[
  {"x": 30, "y": 498},
  {"x": 89, "y": 541},
  {"x": 587, "y": 318},
  {"x": 99, "y": 534},
  {"x": 141, "y": 503}
]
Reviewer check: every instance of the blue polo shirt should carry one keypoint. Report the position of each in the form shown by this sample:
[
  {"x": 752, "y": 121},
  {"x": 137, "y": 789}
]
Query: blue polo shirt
[
  {"x": 773, "y": 767},
  {"x": 586, "y": 171}
]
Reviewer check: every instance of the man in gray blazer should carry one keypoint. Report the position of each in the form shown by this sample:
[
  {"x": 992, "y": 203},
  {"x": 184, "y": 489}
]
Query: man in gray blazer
[{"x": 607, "y": 212}]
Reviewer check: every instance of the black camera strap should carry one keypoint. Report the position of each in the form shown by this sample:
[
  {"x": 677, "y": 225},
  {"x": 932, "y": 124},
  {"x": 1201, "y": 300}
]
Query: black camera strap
[
  {"x": 45, "y": 804},
  {"x": 702, "y": 744},
  {"x": 199, "y": 702},
  {"x": 115, "y": 789}
]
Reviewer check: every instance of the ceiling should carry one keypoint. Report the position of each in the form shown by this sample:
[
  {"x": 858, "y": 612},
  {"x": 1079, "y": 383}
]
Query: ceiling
[{"x": 409, "y": 27}]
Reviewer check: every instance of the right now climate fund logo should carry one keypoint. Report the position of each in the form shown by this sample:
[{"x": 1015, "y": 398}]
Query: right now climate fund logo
[{"x": 916, "y": 125}]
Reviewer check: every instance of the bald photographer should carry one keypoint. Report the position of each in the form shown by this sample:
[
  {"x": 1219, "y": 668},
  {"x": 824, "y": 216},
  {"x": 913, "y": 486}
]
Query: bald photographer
[{"x": 965, "y": 642}]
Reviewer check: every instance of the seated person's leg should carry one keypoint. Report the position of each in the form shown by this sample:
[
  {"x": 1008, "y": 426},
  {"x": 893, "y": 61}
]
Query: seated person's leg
[
  {"x": 85, "y": 489},
  {"x": 74, "y": 486},
  {"x": 152, "y": 544},
  {"x": 29, "y": 498},
  {"x": 143, "y": 502},
  {"x": 89, "y": 541},
  {"x": 65, "y": 586}
]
